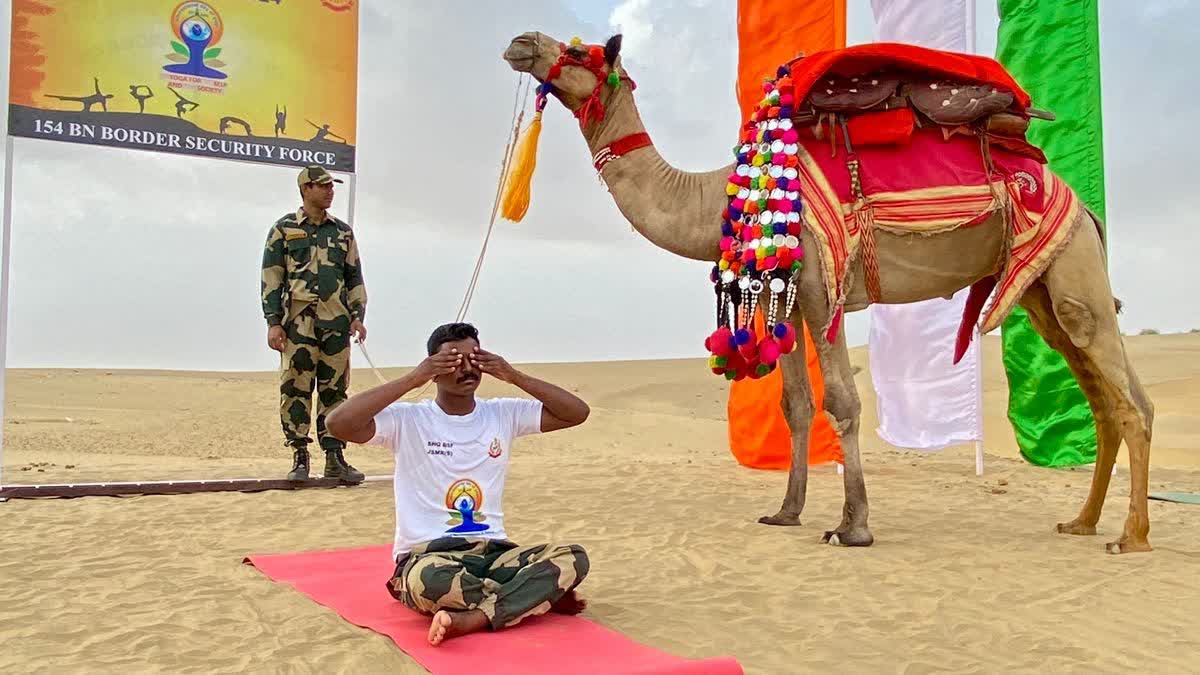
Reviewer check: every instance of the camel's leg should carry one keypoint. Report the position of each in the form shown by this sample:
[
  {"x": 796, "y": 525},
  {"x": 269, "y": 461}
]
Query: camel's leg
[
  {"x": 1082, "y": 303},
  {"x": 798, "y": 410},
  {"x": 1137, "y": 427},
  {"x": 843, "y": 408},
  {"x": 1108, "y": 426}
]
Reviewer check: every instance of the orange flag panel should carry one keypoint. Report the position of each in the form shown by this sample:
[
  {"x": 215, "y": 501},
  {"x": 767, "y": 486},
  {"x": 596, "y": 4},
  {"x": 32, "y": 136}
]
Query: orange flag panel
[{"x": 771, "y": 32}]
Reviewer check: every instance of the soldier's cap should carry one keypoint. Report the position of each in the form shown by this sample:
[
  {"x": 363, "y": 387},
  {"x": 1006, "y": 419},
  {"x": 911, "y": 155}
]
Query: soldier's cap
[{"x": 315, "y": 174}]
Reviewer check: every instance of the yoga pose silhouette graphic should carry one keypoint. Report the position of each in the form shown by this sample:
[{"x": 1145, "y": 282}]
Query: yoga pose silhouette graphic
[
  {"x": 141, "y": 98},
  {"x": 226, "y": 121},
  {"x": 181, "y": 106},
  {"x": 88, "y": 101},
  {"x": 323, "y": 133}
]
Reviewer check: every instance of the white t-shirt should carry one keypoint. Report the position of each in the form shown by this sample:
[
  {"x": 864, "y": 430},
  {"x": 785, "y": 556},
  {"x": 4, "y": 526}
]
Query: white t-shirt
[{"x": 450, "y": 469}]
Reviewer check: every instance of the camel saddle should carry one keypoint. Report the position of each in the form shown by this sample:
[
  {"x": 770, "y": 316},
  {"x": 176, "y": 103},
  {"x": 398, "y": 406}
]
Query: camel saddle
[{"x": 875, "y": 94}]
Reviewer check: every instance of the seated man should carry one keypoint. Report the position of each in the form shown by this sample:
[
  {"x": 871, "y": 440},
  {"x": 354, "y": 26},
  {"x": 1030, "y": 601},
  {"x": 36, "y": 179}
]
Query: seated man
[{"x": 453, "y": 557}]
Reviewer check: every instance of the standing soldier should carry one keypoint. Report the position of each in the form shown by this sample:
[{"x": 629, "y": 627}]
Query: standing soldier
[{"x": 313, "y": 299}]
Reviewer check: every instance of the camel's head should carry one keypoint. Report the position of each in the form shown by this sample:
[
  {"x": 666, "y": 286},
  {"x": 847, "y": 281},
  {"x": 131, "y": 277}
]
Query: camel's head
[{"x": 573, "y": 72}]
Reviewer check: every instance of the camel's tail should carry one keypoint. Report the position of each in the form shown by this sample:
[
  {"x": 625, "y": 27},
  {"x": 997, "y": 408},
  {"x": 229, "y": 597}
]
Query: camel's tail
[{"x": 1117, "y": 304}]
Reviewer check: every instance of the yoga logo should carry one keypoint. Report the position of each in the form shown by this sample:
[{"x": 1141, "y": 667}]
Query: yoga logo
[
  {"x": 465, "y": 499},
  {"x": 199, "y": 26},
  {"x": 494, "y": 450}
]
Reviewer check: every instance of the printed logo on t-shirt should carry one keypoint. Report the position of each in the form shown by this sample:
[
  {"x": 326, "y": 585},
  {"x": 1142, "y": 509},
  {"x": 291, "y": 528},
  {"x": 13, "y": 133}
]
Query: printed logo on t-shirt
[
  {"x": 494, "y": 450},
  {"x": 465, "y": 499},
  {"x": 443, "y": 448}
]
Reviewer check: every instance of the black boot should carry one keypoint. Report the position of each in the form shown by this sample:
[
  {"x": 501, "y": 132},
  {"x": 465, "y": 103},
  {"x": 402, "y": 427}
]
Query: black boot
[
  {"x": 299, "y": 470},
  {"x": 336, "y": 466}
]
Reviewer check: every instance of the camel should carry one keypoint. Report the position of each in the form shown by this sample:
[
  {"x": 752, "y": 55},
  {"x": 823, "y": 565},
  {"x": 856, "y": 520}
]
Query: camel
[{"x": 1070, "y": 304}]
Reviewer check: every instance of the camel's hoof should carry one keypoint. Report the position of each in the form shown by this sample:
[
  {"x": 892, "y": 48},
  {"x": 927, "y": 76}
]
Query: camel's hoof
[
  {"x": 1126, "y": 546},
  {"x": 1076, "y": 527},
  {"x": 781, "y": 518},
  {"x": 860, "y": 536}
]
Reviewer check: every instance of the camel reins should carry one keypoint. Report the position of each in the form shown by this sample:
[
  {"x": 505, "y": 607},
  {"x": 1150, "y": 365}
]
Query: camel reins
[{"x": 568, "y": 55}]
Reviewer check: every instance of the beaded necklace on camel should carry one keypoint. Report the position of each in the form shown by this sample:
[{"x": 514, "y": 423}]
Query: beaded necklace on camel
[{"x": 760, "y": 243}]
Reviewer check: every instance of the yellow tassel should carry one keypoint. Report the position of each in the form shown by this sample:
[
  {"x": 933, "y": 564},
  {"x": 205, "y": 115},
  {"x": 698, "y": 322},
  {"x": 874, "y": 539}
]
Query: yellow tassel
[{"x": 516, "y": 187}]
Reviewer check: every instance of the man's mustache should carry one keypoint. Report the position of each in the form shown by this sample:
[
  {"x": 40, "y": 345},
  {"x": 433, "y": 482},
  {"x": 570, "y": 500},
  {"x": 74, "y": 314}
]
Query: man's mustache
[{"x": 469, "y": 377}]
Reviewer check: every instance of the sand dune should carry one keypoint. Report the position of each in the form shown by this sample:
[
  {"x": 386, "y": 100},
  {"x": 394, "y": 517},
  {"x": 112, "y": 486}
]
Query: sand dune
[{"x": 966, "y": 575}]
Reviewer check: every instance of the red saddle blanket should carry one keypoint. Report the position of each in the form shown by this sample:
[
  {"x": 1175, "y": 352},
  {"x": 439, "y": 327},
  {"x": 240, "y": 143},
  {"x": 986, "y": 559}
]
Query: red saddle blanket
[{"x": 933, "y": 184}]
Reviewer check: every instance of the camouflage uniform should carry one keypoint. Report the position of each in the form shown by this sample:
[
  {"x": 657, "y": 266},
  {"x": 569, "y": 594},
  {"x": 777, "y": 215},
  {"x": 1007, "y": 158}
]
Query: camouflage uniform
[
  {"x": 506, "y": 582},
  {"x": 312, "y": 286}
]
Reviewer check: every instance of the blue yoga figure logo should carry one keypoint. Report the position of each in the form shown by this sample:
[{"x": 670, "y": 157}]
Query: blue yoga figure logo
[
  {"x": 465, "y": 499},
  {"x": 200, "y": 28}
]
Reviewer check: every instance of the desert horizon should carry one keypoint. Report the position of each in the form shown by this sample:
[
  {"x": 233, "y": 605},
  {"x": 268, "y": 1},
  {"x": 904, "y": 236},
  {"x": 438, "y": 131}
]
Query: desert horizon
[
  {"x": 44, "y": 399},
  {"x": 647, "y": 485}
]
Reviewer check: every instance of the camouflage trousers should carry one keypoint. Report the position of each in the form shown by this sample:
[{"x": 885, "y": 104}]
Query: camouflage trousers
[
  {"x": 506, "y": 582},
  {"x": 316, "y": 354}
]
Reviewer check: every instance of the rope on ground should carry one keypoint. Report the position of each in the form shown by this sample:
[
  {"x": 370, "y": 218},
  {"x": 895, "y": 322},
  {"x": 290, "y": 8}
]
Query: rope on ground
[{"x": 519, "y": 102}]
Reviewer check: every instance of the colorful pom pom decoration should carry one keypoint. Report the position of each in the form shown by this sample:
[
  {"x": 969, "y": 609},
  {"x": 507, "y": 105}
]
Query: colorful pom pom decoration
[{"x": 760, "y": 248}]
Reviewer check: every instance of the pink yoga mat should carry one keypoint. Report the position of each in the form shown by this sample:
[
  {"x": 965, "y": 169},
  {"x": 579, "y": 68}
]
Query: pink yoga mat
[{"x": 351, "y": 583}]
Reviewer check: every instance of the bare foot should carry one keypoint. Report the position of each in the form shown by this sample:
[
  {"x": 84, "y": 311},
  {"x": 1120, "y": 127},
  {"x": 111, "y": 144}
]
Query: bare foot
[
  {"x": 570, "y": 603},
  {"x": 448, "y": 624}
]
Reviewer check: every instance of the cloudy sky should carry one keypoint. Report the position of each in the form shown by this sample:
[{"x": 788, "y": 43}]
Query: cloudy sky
[{"x": 129, "y": 259}]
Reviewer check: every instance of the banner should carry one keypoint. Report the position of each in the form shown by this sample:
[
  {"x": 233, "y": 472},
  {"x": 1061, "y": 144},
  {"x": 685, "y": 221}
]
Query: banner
[
  {"x": 924, "y": 400},
  {"x": 1053, "y": 50},
  {"x": 252, "y": 80},
  {"x": 770, "y": 34},
  {"x": 936, "y": 24}
]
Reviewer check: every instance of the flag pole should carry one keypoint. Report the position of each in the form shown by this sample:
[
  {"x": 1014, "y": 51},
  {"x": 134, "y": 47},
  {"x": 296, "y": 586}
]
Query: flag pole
[
  {"x": 969, "y": 19},
  {"x": 4, "y": 282}
]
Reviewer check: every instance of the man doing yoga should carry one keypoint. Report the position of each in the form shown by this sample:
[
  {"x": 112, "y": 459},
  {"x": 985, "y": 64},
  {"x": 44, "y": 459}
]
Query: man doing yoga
[{"x": 453, "y": 557}]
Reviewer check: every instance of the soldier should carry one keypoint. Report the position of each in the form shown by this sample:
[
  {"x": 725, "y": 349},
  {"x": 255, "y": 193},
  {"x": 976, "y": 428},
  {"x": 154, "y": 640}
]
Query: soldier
[{"x": 314, "y": 300}]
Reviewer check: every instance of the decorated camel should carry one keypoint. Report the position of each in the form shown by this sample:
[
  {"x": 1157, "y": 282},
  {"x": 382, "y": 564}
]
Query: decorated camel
[{"x": 886, "y": 174}]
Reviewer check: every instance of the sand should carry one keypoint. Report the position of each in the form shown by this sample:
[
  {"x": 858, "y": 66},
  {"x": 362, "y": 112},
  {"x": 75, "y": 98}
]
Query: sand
[{"x": 966, "y": 574}]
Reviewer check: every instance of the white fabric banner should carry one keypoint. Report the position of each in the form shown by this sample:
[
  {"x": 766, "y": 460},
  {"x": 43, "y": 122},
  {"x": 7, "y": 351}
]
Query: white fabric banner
[
  {"x": 936, "y": 24},
  {"x": 924, "y": 400}
]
